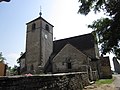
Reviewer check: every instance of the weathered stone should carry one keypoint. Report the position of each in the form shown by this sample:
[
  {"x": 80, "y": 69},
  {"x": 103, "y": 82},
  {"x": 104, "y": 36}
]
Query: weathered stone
[
  {"x": 105, "y": 68},
  {"x": 39, "y": 45},
  {"x": 66, "y": 81}
]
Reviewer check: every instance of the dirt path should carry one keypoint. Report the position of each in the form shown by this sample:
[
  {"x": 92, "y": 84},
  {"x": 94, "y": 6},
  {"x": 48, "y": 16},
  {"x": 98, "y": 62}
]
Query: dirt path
[
  {"x": 101, "y": 87},
  {"x": 117, "y": 82},
  {"x": 114, "y": 86}
]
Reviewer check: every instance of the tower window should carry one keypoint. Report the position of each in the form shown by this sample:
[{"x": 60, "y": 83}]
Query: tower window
[
  {"x": 33, "y": 26},
  {"x": 47, "y": 27}
]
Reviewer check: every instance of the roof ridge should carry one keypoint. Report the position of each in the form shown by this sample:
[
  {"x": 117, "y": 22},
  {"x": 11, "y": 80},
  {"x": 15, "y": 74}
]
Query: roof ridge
[{"x": 73, "y": 37}]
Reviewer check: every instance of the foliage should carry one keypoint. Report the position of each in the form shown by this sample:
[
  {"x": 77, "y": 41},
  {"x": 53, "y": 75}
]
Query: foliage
[
  {"x": 2, "y": 59},
  {"x": 108, "y": 28},
  {"x": 104, "y": 81},
  {"x": 18, "y": 60},
  {"x": 13, "y": 70}
]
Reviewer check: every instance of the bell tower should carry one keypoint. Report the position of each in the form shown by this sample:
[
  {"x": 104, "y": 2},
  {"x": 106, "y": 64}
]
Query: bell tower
[{"x": 39, "y": 44}]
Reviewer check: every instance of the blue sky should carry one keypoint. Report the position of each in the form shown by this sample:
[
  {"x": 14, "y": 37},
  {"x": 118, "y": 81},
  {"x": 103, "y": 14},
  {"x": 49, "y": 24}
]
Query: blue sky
[
  {"x": 61, "y": 13},
  {"x": 13, "y": 18}
]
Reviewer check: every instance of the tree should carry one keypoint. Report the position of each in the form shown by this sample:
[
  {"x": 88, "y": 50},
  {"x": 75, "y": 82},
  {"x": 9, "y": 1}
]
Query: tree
[
  {"x": 5, "y": 0},
  {"x": 108, "y": 28},
  {"x": 14, "y": 70},
  {"x": 18, "y": 60},
  {"x": 2, "y": 59}
]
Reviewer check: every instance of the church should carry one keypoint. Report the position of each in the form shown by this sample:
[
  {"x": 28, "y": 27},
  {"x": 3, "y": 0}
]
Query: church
[{"x": 73, "y": 54}]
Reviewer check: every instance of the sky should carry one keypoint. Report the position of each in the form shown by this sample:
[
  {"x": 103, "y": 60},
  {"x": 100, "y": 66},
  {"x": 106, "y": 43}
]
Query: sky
[{"x": 62, "y": 14}]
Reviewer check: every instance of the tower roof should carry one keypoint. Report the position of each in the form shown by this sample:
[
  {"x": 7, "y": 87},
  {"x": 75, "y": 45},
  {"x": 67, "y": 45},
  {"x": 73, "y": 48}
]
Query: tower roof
[{"x": 38, "y": 19}]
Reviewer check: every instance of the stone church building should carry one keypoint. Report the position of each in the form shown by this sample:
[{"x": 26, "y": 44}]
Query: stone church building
[{"x": 74, "y": 54}]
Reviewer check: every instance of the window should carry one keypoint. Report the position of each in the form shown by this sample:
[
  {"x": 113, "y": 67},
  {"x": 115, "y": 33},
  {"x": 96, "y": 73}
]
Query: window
[
  {"x": 69, "y": 65},
  {"x": 46, "y": 27},
  {"x": 33, "y": 26}
]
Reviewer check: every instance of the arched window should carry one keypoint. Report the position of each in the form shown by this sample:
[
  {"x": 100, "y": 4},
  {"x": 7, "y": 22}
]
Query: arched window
[
  {"x": 69, "y": 65},
  {"x": 33, "y": 26},
  {"x": 46, "y": 27}
]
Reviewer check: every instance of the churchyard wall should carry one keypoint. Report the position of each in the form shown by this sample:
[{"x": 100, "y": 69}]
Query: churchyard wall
[{"x": 63, "y": 81}]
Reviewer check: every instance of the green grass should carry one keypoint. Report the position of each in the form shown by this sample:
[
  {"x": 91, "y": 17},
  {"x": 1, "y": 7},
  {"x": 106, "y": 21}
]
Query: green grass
[{"x": 104, "y": 81}]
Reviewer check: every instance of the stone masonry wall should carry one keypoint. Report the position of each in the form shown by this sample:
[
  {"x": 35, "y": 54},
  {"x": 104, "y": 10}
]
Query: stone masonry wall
[
  {"x": 105, "y": 68},
  {"x": 32, "y": 54},
  {"x": 69, "y": 54},
  {"x": 65, "y": 81}
]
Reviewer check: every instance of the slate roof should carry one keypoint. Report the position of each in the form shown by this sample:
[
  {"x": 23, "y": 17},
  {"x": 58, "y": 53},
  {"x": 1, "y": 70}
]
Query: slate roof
[
  {"x": 82, "y": 42},
  {"x": 23, "y": 56},
  {"x": 41, "y": 19}
]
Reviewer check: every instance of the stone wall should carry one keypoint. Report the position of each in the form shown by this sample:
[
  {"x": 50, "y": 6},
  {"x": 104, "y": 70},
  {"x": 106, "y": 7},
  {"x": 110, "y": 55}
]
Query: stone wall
[
  {"x": 64, "y": 81},
  {"x": 70, "y": 59},
  {"x": 46, "y": 42},
  {"x": 39, "y": 45},
  {"x": 105, "y": 68},
  {"x": 32, "y": 54}
]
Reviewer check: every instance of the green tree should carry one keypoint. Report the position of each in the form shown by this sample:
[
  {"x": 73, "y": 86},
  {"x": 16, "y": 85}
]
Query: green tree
[
  {"x": 14, "y": 70},
  {"x": 108, "y": 28},
  {"x": 2, "y": 59}
]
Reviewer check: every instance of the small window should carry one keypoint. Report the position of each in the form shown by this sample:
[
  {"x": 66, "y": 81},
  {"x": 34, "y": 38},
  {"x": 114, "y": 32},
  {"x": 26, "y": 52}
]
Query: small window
[
  {"x": 47, "y": 27},
  {"x": 33, "y": 26},
  {"x": 69, "y": 65}
]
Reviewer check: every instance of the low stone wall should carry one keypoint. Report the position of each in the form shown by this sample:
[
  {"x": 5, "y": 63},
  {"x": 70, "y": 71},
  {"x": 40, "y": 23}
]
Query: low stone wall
[{"x": 64, "y": 81}]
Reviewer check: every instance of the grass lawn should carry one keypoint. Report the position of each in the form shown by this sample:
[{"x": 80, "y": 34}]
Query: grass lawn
[{"x": 104, "y": 81}]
